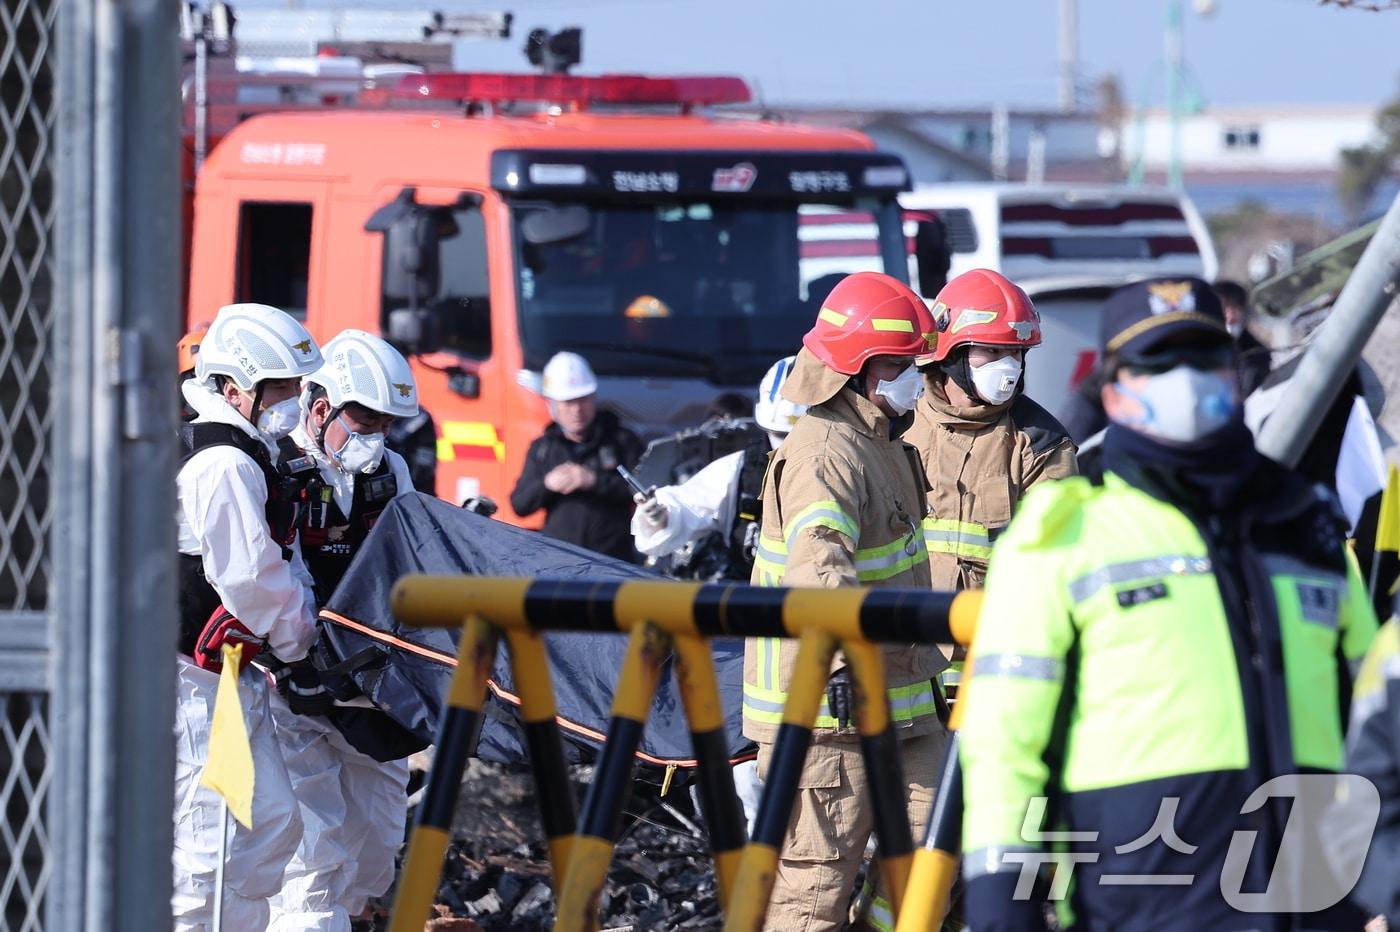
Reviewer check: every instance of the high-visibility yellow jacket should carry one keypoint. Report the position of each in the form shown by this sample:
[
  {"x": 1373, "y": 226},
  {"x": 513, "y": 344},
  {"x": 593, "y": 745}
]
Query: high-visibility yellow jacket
[
  {"x": 980, "y": 461},
  {"x": 1132, "y": 660},
  {"x": 842, "y": 506},
  {"x": 1373, "y": 752}
]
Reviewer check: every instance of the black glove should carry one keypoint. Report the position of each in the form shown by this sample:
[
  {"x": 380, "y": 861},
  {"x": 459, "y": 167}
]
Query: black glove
[
  {"x": 300, "y": 685},
  {"x": 840, "y": 701}
]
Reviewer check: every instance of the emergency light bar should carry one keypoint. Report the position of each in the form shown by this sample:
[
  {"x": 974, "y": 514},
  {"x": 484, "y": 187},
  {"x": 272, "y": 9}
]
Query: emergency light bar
[{"x": 572, "y": 89}]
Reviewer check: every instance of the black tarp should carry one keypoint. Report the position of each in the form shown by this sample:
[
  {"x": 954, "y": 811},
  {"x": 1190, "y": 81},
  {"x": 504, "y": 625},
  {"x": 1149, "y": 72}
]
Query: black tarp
[{"x": 405, "y": 671}]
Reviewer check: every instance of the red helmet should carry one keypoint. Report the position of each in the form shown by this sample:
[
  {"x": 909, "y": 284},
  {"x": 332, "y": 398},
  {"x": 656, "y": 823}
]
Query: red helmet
[
  {"x": 985, "y": 308},
  {"x": 869, "y": 314}
]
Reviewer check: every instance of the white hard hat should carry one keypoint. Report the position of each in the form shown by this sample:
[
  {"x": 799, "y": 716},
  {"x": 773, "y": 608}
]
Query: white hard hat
[
  {"x": 568, "y": 376},
  {"x": 362, "y": 368},
  {"x": 774, "y": 412},
  {"x": 251, "y": 343}
]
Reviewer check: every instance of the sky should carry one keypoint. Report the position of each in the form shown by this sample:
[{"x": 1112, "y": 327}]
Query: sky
[{"x": 939, "y": 53}]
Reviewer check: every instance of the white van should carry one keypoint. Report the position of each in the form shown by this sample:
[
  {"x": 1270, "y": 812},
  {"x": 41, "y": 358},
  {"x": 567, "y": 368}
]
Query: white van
[
  {"x": 1063, "y": 230},
  {"x": 1069, "y": 246},
  {"x": 1069, "y": 333}
]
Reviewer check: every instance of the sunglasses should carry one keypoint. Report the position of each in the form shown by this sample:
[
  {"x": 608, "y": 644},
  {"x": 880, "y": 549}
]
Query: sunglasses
[{"x": 1205, "y": 359}]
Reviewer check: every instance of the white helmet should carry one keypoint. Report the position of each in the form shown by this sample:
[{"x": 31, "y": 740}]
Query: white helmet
[
  {"x": 568, "y": 376},
  {"x": 362, "y": 368},
  {"x": 251, "y": 343},
  {"x": 774, "y": 412}
]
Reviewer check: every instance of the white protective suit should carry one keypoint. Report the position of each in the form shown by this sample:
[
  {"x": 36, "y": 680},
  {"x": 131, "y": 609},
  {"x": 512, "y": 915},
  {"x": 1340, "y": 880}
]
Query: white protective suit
[
  {"x": 222, "y": 502},
  {"x": 355, "y": 808},
  {"x": 256, "y": 857},
  {"x": 703, "y": 503}
]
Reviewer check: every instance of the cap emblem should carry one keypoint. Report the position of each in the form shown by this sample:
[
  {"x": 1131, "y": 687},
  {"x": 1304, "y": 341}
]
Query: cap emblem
[{"x": 1167, "y": 297}]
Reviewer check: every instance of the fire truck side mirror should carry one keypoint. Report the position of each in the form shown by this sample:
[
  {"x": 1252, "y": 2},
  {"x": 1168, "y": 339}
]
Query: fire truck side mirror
[
  {"x": 411, "y": 274},
  {"x": 412, "y": 330},
  {"x": 411, "y": 270}
]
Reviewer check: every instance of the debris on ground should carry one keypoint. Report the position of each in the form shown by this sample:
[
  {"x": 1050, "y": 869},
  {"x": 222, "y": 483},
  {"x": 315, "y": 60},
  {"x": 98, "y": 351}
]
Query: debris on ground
[{"x": 496, "y": 874}]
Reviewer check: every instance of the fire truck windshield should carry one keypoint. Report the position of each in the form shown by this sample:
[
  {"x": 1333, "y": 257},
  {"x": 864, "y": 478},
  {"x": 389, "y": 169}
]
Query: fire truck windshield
[{"x": 692, "y": 288}]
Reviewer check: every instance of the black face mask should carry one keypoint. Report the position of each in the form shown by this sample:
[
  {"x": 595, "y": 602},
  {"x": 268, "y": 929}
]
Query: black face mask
[{"x": 959, "y": 371}]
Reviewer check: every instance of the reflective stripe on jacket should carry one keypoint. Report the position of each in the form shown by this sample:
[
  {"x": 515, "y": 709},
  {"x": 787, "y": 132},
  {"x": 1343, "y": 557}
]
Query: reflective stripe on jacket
[
  {"x": 842, "y": 505},
  {"x": 980, "y": 462},
  {"x": 1128, "y": 659}
]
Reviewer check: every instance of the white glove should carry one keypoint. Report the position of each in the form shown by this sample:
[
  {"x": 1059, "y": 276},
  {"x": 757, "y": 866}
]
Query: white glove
[{"x": 654, "y": 513}]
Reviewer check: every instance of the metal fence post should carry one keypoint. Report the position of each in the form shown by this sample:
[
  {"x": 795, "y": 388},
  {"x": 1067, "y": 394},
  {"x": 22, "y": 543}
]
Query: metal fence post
[{"x": 113, "y": 548}]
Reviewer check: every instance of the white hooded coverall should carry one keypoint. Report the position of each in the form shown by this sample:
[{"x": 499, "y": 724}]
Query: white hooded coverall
[
  {"x": 355, "y": 808},
  {"x": 222, "y": 498}
]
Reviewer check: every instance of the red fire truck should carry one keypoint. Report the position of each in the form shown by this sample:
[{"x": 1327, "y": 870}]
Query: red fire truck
[{"x": 484, "y": 222}]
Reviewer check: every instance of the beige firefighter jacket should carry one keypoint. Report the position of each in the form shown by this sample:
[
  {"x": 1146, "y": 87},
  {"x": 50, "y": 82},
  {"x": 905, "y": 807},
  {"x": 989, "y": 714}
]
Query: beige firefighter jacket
[
  {"x": 842, "y": 506},
  {"x": 980, "y": 462}
]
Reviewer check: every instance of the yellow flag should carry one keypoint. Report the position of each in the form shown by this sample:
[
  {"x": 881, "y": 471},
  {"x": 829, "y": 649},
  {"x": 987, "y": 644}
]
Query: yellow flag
[
  {"x": 229, "y": 770},
  {"x": 1388, "y": 523}
]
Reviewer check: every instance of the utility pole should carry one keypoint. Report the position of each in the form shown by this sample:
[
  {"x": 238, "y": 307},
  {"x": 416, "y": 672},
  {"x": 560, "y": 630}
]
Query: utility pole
[
  {"x": 1175, "y": 80},
  {"x": 1069, "y": 55},
  {"x": 1182, "y": 96},
  {"x": 1035, "y": 155},
  {"x": 1001, "y": 142}
]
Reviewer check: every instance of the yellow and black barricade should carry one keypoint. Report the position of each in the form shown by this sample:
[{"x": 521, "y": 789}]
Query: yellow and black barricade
[
  {"x": 663, "y": 618},
  {"x": 936, "y": 863}
]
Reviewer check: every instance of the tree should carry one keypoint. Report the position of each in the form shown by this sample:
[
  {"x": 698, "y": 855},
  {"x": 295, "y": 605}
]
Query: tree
[{"x": 1365, "y": 167}]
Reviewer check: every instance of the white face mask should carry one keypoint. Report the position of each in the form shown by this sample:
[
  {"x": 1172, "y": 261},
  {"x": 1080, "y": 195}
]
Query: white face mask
[
  {"x": 1182, "y": 405},
  {"x": 277, "y": 421},
  {"x": 903, "y": 391},
  {"x": 996, "y": 381},
  {"x": 359, "y": 452},
  {"x": 1236, "y": 329}
]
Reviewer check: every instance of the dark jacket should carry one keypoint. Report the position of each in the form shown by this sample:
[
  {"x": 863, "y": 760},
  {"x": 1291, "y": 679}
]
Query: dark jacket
[
  {"x": 599, "y": 518},
  {"x": 1082, "y": 412},
  {"x": 1255, "y": 361},
  {"x": 415, "y": 439}
]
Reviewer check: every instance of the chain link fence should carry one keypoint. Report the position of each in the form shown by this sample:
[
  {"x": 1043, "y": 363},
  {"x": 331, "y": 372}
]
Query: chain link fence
[
  {"x": 26, "y": 297},
  {"x": 27, "y": 114},
  {"x": 24, "y": 843}
]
